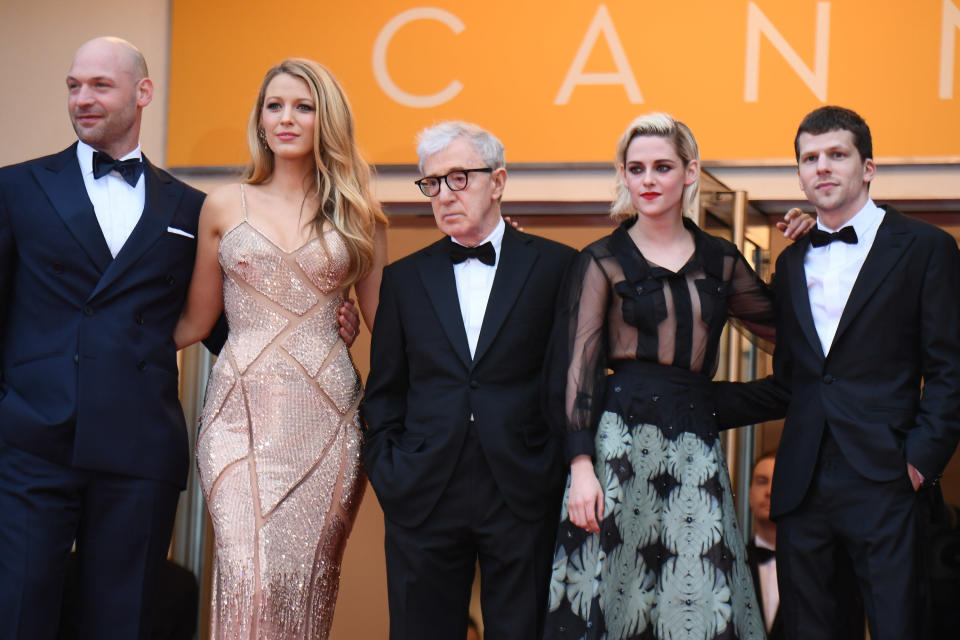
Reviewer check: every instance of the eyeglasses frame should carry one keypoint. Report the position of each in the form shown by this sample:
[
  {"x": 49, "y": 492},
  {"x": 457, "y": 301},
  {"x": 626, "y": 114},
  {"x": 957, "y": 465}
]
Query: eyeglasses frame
[{"x": 446, "y": 178}]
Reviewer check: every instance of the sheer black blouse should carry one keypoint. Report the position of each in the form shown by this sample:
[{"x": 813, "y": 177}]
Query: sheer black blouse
[{"x": 617, "y": 306}]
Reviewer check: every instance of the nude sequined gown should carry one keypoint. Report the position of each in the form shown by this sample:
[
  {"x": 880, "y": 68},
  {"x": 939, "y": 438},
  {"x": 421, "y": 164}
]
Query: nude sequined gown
[{"x": 279, "y": 446}]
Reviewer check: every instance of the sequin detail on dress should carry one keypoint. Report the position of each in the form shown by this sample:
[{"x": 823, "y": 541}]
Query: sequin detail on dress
[{"x": 279, "y": 448}]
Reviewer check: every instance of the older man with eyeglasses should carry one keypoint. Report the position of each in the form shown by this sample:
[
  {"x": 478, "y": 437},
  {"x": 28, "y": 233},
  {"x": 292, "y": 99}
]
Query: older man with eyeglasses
[{"x": 457, "y": 450}]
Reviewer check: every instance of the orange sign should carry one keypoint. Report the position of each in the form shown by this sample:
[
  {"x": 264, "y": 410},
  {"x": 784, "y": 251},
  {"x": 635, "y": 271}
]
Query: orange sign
[{"x": 559, "y": 81}]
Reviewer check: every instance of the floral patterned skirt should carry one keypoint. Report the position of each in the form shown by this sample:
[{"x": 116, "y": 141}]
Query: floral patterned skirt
[{"x": 669, "y": 561}]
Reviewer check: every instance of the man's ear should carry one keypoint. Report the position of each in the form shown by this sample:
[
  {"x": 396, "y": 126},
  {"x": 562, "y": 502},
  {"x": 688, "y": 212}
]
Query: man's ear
[
  {"x": 869, "y": 170},
  {"x": 144, "y": 92},
  {"x": 499, "y": 179}
]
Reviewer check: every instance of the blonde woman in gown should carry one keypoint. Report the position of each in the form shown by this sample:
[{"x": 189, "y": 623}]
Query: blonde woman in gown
[{"x": 279, "y": 446}]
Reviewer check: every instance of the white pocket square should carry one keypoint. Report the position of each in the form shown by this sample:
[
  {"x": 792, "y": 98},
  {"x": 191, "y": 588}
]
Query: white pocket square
[{"x": 180, "y": 232}]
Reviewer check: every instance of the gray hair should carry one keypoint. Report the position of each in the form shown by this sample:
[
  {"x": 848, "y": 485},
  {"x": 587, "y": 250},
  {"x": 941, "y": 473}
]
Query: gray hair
[
  {"x": 440, "y": 136},
  {"x": 663, "y": 126}
]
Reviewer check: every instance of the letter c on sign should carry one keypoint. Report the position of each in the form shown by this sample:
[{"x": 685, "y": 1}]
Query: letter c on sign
[{"x": 380, "y": 58}]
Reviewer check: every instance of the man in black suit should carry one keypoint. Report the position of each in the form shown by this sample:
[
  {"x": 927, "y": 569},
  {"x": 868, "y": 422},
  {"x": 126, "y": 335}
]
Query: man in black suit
[
  {"x": 867, "y": 365},
  {"x": 96, "y": 251},
  {"x": 457, "y": 450}
]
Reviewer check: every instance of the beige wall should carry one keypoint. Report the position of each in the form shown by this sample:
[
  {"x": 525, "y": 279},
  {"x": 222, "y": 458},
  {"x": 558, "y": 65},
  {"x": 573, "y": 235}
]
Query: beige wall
[{"x": 37, "y": 41}]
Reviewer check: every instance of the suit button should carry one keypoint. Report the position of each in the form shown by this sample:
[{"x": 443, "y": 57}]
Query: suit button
[
  {"x": 76, "y": 358},
  {"x": 58, "y": 268},
  {"x": 141, "y": 365},
  {"x": 171, "y": 280},
  {"x": 474, "y": 384},
  {"x": 139, "y": 318},
  {"x": 827, "y": 379},
  {"x": 88, "y": 311}
]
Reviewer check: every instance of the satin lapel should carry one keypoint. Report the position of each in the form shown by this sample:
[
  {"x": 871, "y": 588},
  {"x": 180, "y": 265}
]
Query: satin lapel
[
  {"x": 800, "y": 295},
  {"x": 60, "y": 178},
  {"x": 436, "y": 273},
  {"x": 160, "y": 203},
  {"x": 889, "y": 244},
  {"x": 516, "y": 260}
]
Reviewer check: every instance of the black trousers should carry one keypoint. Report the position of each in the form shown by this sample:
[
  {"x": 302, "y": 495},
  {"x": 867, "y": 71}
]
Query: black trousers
[
  {"x": 122, "y": 530},
  {"x": 849, "y": 533},
  {"x": 430, "y": 567}
]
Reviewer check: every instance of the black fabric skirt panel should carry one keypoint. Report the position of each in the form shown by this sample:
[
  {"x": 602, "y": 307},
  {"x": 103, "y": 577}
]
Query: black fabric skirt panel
[{"x": 669, "y": 561}]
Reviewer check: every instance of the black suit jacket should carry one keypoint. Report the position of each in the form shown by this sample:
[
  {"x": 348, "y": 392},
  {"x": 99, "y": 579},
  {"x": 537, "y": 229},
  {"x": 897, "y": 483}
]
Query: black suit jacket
[
  {"x": 423, "y": 385},
  {"x": 889, "y": 389},
  {"x": 88, "y": 368}
]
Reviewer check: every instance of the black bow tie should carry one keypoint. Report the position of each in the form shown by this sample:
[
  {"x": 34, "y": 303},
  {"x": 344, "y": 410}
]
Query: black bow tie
[
  {"x": 764, "y": 555},
  {"x": 130, "y": 170},
  {"x": 485, "y": 253},
  {"x": 821, "y": 238}
]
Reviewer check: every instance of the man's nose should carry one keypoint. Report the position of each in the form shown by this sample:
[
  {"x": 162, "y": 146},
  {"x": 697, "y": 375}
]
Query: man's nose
[
  {"x": 84, "y": 95},
  {"x": 444, "y": 187}
]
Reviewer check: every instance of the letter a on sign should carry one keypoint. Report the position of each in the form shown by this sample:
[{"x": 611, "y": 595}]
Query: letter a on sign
[{"x": 622, "y": 76}]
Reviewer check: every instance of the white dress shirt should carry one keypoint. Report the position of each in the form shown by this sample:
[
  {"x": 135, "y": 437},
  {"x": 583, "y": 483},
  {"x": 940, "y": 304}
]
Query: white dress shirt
[
  {"x": 474, "y": 282},
  {"x": 832, "y": 270},
  {"x": 118, "y": 205},
  {"x": 767, "y": 572}
]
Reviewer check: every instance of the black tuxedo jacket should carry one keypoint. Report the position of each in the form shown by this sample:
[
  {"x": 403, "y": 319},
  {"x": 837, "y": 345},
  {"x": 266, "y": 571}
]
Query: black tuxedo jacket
[
  {"x": 889, "y": 390},
  {"x": 777, "y": 631},
  {"x": 423, "y": 385},
  {"x": 88, "y": 369}
]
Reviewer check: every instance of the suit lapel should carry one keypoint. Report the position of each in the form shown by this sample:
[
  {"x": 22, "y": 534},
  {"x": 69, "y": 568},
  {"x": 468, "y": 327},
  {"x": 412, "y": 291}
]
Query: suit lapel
[
  {"x": 63, "y": 183},
  {"x": 160, "y": 203},
  {"x": 436, "y": 273},
  {"x": 516, "y": 260},
  {"x": 888, "y": 245},
  {"x": 800, "y": 295}
]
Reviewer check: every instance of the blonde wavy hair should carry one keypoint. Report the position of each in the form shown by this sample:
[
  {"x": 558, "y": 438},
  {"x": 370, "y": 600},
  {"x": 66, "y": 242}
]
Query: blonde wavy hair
[
  {"x": 342, "y": 178},
  {"x": 663, "y": 126}
]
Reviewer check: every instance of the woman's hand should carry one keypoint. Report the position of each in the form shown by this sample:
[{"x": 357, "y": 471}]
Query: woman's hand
[
  {"x": 585, "y": 501},
  {"x": 796, "y": 224}
]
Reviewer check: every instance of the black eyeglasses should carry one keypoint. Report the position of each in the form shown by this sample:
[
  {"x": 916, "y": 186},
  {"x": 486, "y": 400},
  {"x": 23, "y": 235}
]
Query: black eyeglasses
[{"x": 456, "y": 181}]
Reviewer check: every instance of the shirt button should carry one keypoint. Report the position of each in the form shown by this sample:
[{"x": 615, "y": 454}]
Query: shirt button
[
  {"x": 827, "y": 379},
  {"x": 474, "y": 384},
  {"x": 141, "y": 365},
  {"x": 88, "y": 311}
]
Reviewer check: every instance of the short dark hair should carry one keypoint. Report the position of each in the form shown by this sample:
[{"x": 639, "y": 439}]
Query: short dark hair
[
  {"x": 831, "y": 118},
  {"x": 769, "y": 453}
]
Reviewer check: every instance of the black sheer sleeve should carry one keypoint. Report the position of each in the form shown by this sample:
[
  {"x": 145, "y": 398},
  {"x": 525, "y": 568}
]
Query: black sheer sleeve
[
  {"x": 576, "y": 362},
  {"x": 750, "y": 304}
]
